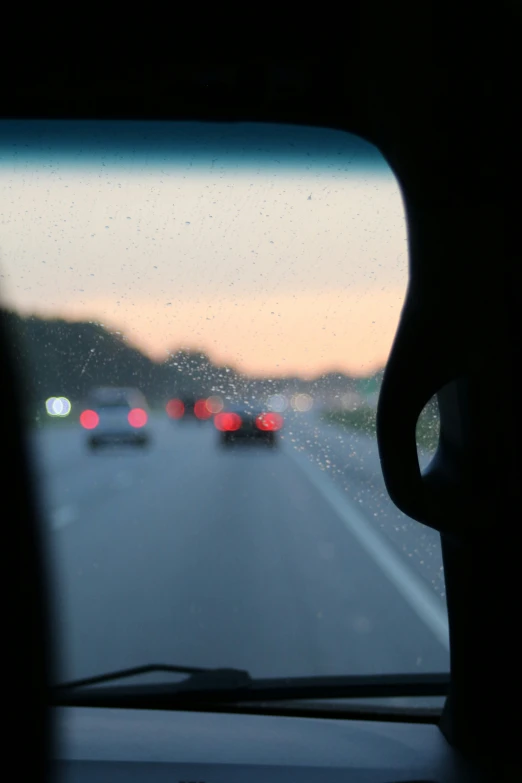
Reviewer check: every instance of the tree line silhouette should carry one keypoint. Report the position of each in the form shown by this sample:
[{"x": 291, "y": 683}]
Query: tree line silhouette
[{"x": 56, "y": 357}]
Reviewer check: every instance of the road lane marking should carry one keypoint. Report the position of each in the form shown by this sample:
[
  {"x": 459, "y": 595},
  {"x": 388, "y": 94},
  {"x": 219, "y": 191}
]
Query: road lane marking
[
  {"x": 413, "y": 589},
  {"x": 62, "y": 516}
]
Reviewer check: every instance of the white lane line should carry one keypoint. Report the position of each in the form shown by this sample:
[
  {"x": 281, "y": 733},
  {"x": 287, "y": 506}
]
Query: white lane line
[
  {"x": 62, "y": 516},
  {"x": 422, "y": 600}
]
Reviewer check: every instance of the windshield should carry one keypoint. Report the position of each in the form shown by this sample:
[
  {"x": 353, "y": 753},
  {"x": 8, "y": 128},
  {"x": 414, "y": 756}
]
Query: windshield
[{"x": 243, "y": 284}]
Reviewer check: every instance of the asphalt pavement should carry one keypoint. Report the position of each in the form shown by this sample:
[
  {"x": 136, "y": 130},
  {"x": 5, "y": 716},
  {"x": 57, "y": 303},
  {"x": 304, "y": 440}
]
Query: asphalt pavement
[
  {"x": 351, "y": 461},
  {"x": 289, "y": 562}
]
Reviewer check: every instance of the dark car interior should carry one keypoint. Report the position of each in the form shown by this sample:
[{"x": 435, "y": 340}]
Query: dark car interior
[{"x": 436, "y": 87}]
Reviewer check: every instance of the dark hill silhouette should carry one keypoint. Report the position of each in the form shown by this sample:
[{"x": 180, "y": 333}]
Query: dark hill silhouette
[{"x": 59, "y": 357}]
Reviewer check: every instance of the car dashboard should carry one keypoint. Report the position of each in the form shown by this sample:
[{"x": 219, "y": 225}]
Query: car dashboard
[{"x": 139, "y": 746}]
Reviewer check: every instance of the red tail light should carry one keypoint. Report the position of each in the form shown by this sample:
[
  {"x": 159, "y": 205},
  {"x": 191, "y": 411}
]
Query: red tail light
[
  {"x": 137, "y": 417},
  {"x": 227, "y": 422},
  {"x": 201, "y": 410},
  {"x": 269, "y": 422},
  {"x": 175, "y": 409},
  {"x": 89, "y": 419}
]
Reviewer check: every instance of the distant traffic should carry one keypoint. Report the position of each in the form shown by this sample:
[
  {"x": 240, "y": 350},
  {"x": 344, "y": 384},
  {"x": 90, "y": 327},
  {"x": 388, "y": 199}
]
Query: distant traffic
[
  {"x": 120, "y": 416},
  {"x": 234, "y": 423},
  {"x": 115, "y": 416},
  {"x": 242, "y": 425}
]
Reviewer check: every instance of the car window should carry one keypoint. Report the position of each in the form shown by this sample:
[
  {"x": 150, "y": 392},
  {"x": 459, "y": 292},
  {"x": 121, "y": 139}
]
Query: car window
[
  {"x": 111, "y": 405},
  {"x": 246, "y": 281}
]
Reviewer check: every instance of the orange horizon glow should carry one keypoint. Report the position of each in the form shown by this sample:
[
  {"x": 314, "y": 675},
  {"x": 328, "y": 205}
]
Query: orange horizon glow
[{"x": 359, "y": 326}]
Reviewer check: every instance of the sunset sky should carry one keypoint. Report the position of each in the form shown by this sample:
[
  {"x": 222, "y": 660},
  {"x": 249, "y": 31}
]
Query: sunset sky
[{"x": 274, "y": 263}]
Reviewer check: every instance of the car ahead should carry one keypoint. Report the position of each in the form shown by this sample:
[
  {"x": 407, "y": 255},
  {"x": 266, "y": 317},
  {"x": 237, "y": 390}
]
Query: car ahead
[
  {"x": 243, "y": 425},
  {"x": 116, "y": 416},
  {"x": 188, "y": 409}
]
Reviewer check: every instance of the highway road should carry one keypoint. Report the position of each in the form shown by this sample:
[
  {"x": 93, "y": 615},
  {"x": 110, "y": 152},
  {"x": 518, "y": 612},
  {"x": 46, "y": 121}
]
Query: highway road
[{"x": 287, "y": 562}]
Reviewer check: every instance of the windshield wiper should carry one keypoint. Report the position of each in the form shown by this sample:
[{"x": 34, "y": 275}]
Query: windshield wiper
[
  {"x": 228, "y": 676},
  {"x": 205, "y": 686}
]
